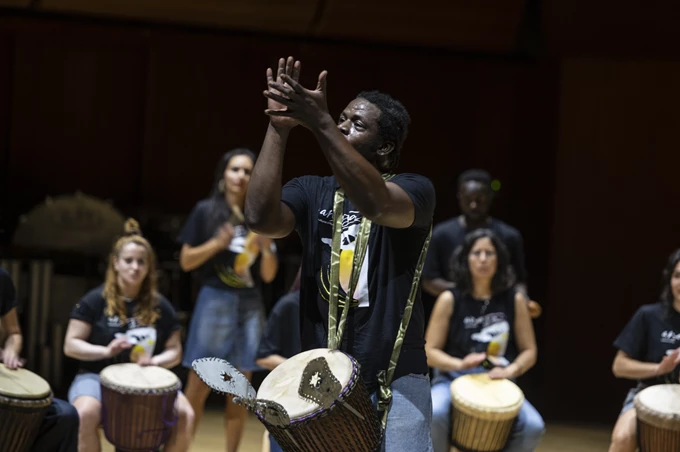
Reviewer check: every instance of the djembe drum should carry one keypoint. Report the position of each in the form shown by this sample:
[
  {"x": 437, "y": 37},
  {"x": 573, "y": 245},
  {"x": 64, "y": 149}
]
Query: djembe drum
[
  {"x": 350, "y": 423},
  {"x": 138, "y": 406},
  {"x": 24, "y": 399},
  {"x": 658, "y": 414},
  {"x": 483, "y": 412}
]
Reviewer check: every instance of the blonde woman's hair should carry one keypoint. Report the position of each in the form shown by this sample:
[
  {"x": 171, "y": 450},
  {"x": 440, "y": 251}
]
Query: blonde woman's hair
[{"x": 147, "y": 299}]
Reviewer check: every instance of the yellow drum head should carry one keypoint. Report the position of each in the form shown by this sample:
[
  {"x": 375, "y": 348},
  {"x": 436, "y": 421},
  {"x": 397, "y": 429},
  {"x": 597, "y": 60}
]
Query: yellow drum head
[{"x": 22, "y": 384}]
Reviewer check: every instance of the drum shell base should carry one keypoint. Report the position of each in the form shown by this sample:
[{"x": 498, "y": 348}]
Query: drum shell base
[
  {"x": 655, "y": 439},
  {"x": 20, "y": 424},
  {"x": 470, "y": 434},
  {"x": 135, "y": 422},
  {"x": 336, "y": 429}
]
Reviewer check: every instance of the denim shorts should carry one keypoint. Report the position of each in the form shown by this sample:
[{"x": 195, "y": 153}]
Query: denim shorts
[
  {"x": 226, "y": 324},
  {"x": 629, "y": 402}
]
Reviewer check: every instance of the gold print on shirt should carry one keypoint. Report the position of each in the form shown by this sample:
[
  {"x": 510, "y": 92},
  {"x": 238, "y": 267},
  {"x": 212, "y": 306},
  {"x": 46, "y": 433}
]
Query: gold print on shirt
[
  {"x": 350, "y": 228},
  {"x": 246, "y": 249}
]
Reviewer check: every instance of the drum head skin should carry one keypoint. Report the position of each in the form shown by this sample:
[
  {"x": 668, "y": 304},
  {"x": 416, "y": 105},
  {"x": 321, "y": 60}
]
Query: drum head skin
[
  {"x": 135, "y": 377},
  {"x": 22, "y": 384},
  {"x": 659, "y": 405},
  {"x": 477, "y": 394},
  {"x": 282, "y": 383}
]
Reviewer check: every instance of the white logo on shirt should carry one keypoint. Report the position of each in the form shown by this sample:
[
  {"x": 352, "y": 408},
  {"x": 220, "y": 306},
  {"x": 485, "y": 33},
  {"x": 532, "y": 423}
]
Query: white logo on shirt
[{"x": 670, "y": 337}]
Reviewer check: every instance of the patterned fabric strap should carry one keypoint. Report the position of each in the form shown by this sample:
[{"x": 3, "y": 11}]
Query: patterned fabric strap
[
  {"x": 385, "y": 377},
  {"x": 335, "y": 328}
]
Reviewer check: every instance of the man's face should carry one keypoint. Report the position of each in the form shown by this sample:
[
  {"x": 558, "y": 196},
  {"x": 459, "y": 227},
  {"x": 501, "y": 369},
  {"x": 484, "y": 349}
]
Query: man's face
[
  {"x": 474, "y": 199},
  {"x": 359, "y": 124}
]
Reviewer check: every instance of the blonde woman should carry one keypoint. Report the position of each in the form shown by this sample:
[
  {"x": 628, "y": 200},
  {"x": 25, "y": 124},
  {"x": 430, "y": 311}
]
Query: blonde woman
[{"x": 96, "y": 335}]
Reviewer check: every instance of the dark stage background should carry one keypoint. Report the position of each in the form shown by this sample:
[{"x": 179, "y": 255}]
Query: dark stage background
[{"x": 572, "y": 108}]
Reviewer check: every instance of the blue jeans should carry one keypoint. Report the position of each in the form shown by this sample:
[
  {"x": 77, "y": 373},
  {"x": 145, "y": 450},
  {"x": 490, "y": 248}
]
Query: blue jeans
[
  {"x": 226, "y": 324},
  {"x": 409, "y": 415},
  {"x": 273, "y": 445},
  {"x": 526, "y": 433}
]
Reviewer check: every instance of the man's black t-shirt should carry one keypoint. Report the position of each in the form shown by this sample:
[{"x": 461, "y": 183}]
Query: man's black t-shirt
[
  {"x": 230, "y": 268},
  {"x": 449, "y": 235},
  {"x": 91, "y": 309},
  {"x": 384, "y": 282},
  {"x": 282, "y": 334},
  {"x": 482, "y": 326},
  {"x": 8, "y": 295},
  {"x": 649, "y": 336}
]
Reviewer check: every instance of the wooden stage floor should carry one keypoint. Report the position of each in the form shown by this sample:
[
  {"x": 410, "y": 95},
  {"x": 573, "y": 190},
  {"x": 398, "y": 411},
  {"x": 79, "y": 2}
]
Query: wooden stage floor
[{"x": 558, "y": 438}]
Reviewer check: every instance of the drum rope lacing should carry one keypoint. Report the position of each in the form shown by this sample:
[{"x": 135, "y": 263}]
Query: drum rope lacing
[{"x": 335, "y": 328}]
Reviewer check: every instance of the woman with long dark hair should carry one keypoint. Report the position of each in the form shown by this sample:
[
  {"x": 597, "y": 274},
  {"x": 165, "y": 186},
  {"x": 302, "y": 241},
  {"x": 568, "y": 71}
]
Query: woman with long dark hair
[
  {"x": 232, "y": 261},
  {"x": 648, "y": 351},
  {"x": 483, "y": 319}
]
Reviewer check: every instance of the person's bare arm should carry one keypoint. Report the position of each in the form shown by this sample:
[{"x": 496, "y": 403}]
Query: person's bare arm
[
  {"x": 270, "y": 362},
  {"x": 525, "y": 337},
  {"x": 77, "y": 347},
  {"x": 192, "y": 257},
  {"x": 172, "y": 354},
  {"x": 435, "y": 339},
  {"x": 264, "y": 212},
  {"x": 625, "y": 366},
  {"x": 384, "y": 203},
  {"x": 11, "y": 350},
  {"x": 436, "y": 286}
]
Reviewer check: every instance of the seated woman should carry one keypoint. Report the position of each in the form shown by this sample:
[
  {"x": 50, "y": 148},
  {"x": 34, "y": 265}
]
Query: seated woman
[
  {"x": 482, "y": 319},
  {"x": 96, "y": 335},
  {"x": 648, "y": 351}
]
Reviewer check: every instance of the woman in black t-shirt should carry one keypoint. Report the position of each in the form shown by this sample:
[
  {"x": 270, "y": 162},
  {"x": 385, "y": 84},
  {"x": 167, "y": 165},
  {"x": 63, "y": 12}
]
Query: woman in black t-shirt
[
  {"x": 231, "y": 260},
  {"x": 483, "y": 320},
  {"x": 106, "y": 321},
  {"x": 648, "y": 351}
]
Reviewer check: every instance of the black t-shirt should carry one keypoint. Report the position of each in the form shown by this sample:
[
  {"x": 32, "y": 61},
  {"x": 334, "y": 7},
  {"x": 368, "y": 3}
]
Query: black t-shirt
[
  {"x": 91, "y": 309},
  {"x": 449, "y": 235},
  {"x": 481, "y": 326},
  {"x": 649, "y": 336},
  {"x": 385, "y": 279},
  {"x": 8, "y": 294},
  {"x": 231, "y": 268},
  {"x": 282, "y": 334}
]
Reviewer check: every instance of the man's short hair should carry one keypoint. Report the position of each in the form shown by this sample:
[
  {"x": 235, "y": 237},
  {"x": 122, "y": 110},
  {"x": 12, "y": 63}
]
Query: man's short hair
[
  {"x": 476, "y": 175},
  {"x": 393, "y": 121}
]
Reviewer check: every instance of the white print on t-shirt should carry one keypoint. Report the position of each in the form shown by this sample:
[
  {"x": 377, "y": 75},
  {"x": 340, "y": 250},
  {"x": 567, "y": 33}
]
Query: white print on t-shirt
[
  {"x": 350, "y": 228},
  {"x": 494, "y": 333},
  {"x": 670, "y": 337},
  {"x": 471, "y": 322},
  {"x": 113, "y": 321}
]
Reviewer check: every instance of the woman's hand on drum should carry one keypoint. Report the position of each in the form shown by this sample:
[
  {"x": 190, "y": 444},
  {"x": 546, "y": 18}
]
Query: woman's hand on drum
[
  {"x": 502, "y": 373},
  {"x": 11, "y": 359},
  {"x": 669, "y": 363},
  {"x": 472, "y": 360},
  {"x": 144, "y": 361},
  {"x": 116, "y": 346}
]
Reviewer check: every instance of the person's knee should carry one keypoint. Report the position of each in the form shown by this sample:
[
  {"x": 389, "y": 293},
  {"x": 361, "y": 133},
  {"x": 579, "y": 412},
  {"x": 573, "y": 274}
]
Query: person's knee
[
  {"x": 624, "y": 437},
  {"x": 89, "y": 411},
  {"x": 534, "y": 427},
  {"x": 186, "y": 414}
]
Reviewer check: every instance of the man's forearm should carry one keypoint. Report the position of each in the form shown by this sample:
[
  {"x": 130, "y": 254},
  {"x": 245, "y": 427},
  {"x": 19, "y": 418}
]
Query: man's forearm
[
  {"x": 436, "y": 286},
  {"x": 361, "y": 182},
  {"x": 263, "y": 198}
]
